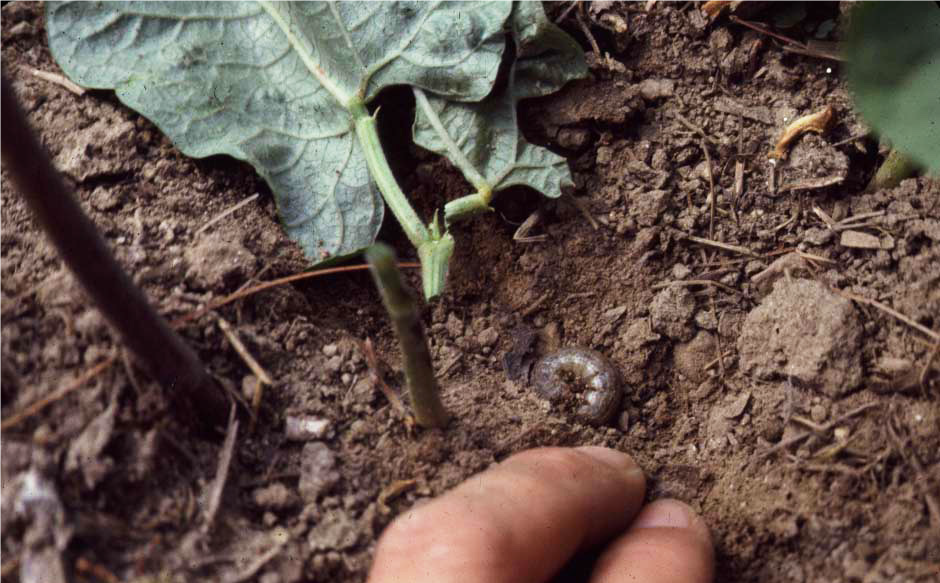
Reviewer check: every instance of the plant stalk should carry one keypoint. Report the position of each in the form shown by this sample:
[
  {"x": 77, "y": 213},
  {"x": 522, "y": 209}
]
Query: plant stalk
[
  {"x": 434, "y": 248},
  {"x": 416, "y": 358},
  {"x": 896, "y": 167},
  {"x": 162, "y": 351},
  {"x": 467, "y": 206}
]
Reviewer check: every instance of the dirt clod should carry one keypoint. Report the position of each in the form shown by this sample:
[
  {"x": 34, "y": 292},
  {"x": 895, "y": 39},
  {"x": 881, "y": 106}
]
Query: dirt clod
[
  {"x": 218, "y": 261},
  {"x": 691, "y": 358},
  {"x": 671, "y": 313},
  {"x": 805, "y": 332}
]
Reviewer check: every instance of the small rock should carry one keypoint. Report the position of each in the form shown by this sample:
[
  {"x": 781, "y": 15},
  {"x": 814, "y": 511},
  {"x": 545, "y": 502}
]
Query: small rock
[
  {"x": 647, "y": 207},
  {"x": 860, "y": 240},
  {"x": 21, "y": 29},
  {"x": 317, "y": 471},
  {"x": 573, "y": 138},
  {"x": 216, "y": 261},
  {"x": 105, "y": 199},
  {"x": 276, "y": 496},
  {"x": 671, "y": 313},
  {"x": 89, "y": 323},
  {"x": 680, "y": 271},
  {"x": 330, "y": 350},
  {"x": 705, "y": 320},
  {"x": 454, "y": 326},
  {"x": 818, "y": 413},
  {"x": 333, "y": 364},
  {"x": 85, "y": 452},
  {"x": 651, "y": 89},
  {"x": 638, "y": 334},
  {"x": 346, "y": 378},
  {"x": 306, "y": 427},
  {"x": 805, "y": 332},
  {"x": 818, "y": 236},
  {"x": 623, "y": 422},
  {"x": 362, "y": 392},
  {"x": 249, "y": 386},
  {"x": 735, "y": 408},
  {"x": 337, "y": 531},
  {"x": 488, "y": 337}
]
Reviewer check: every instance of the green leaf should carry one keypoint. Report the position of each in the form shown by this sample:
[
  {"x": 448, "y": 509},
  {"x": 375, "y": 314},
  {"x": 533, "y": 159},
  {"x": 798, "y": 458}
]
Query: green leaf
[
  {"x": 281, "y": 86},
  {"x": 893, "y": 53},
  {"x": 483, "y": 139}
]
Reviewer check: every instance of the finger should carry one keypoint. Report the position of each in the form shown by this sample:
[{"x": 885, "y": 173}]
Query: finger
[
  {"x": 668, "y": 542},
  {"x": 519, "y": 521}
]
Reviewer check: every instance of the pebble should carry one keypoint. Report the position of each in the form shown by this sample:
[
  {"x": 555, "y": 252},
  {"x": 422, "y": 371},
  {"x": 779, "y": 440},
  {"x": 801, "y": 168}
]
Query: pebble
[
  {"x": 306, "y": 427},
  {"x": 333, "y": 364},
  {"x": 488, "y": 337},
  {"x": 671, "y": 313},
  {"x": 317, "y": 471},
  {"x": 818, "y": 413},
  {"x": 330, "y": 350},
  {"x": 454, "y": 326},
  {"x": 680, "y": 271},
  {"x": 623, "y": 422},
  {"x": 276, "y": 496},
  {"x": 336, "y": 531},
  {"x": 705, "y": 320}
]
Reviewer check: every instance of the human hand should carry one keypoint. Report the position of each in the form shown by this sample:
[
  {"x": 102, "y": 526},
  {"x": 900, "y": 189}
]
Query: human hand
[{"x": 523, "y": 519}]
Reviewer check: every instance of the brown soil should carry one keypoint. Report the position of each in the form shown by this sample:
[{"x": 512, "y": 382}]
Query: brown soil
[{"x": 854, "y": 499}]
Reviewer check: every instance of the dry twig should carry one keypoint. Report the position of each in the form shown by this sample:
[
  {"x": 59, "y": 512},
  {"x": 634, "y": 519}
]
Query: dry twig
[
  {"x": 821, "y": 429},
  {"x": 214, "y": 495},
  {"x": 59, "y": 80},
  {"x": 888, "y": 310},
  {"x": 227, "y": 212},
  {"x": 29, "y": 411}
]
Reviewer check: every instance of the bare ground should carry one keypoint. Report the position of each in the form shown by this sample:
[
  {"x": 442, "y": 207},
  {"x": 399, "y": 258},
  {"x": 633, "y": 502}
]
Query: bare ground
[{"x": 802, "y": 424}]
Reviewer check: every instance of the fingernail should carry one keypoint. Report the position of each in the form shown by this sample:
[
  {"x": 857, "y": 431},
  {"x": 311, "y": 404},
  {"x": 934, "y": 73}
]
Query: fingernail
[
  {"x": 666, "y": 514},
  {"x": 613, "y": 458}
]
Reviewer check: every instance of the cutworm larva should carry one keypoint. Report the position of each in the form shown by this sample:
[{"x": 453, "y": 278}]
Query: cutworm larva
[{"x": 582, "y": 376}]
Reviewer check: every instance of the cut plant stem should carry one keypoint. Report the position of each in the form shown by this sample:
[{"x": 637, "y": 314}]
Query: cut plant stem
[
  {"x": 416, "y": 358},
  {"x": 83, "y": 250},
  {"x": 892, "y": 171},
  {"x": 434, "y": 247}
]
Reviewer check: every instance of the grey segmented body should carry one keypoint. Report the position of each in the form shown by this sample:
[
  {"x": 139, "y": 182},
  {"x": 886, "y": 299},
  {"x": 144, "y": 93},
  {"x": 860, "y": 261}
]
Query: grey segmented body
[{"x": 583, "y": 375}]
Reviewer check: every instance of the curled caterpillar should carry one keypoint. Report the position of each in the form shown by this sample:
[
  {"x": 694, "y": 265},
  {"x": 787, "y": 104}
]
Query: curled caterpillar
[{"x": 582, "y": 376}]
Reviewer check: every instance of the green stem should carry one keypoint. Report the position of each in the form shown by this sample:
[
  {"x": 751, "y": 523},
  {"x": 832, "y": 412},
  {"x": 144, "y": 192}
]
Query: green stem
[
  {"x": 467, "y": 206},
  {"x": 367, "y": 132},
  {"x": 402, "y": 310},
  {"x": 896, "y": 167},
  {"x": 434, "y": 248}
]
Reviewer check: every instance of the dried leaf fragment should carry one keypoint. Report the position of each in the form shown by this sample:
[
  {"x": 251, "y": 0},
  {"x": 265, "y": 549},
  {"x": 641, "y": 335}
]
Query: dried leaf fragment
[
  {"x": 815, "y": 122},
  {"x": 713, "y": 8}
]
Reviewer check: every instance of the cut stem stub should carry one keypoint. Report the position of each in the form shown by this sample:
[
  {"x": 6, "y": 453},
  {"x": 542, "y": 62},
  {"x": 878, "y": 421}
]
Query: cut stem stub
[
  {"x": 168, "y": 358},
  {"x": 416, "y": 358}
]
